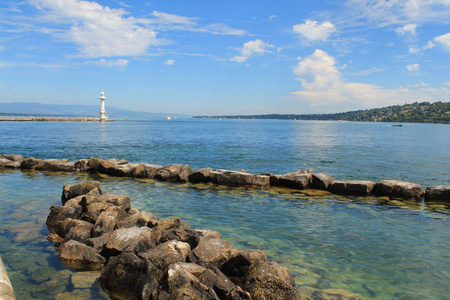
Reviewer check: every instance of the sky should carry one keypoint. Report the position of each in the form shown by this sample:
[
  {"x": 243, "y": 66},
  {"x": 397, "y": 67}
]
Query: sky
[{"x": 203, "y": 57}]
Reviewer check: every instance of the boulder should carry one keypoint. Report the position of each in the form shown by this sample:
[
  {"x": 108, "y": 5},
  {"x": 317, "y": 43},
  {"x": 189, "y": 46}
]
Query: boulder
[
  {"x": 59, "y": 213},
  {"x": 56, "y": 165},
  {"x": 176, "y": 172},
  {"x": 167, "y": 253},
  {"x": 10, "y": 161},
  {"x": 267, "y": 280},
  {"x": 6, "y": 289},
  {"x": 30, "y": 163},
  {"x": 80, "y": 256},
  {"x": 181, "y": 284},
  {"x": 213, "y": 252},
  {"x": 146, "y": 171},
  {"x": 140, "y": 219},
  {"x": 440, "y": 193},
  {"x": 239, "y": 178},
  {"x": 240, "y": 260},
  {"x": 207, "y": 234},
  {"x": 93, "y": 211},
  {"x": 117, "y": 161},
  {"x": 108, "y": 199},
  {"x": 321, "y": 181},
  {"x": 213, "y": 278},
  {"x": 80, "y": 234},
  {"x": 106, "y": 222},
  {"x": 128, "y": 276},
  {"x": 352, "y": 187},
  {"x": 201, "y": 176},
  {"x": 81, "y": 165},
  {"x": 174, "y": 229},
  {"x": 298, "y": 180},
  {"x": 99, "y": 242},
  {"x": 62, "y": 228},
  {"x": 397, "y": 188},
  {"x": 133, "y": 239},
  {"x": 125, "y": 170},
  {"x": 72, "y": 191},
  {"x": 99, "y": 165}
]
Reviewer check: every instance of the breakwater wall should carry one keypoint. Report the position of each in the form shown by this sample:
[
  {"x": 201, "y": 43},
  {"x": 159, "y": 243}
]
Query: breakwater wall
[
  {"x": 49, "y": 119},
  {"x": 6, "y": 290},
  {"x": 300, "y": 180},
  {"x": 141, "y": 257}
]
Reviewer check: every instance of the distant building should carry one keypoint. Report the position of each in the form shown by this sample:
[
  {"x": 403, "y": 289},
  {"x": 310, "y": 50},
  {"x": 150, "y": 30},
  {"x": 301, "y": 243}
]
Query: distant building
[{"x": 103, "y": 116}]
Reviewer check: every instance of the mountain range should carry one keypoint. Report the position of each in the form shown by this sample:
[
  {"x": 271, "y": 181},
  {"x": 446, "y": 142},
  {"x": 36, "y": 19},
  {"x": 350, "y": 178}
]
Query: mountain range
[{"x": 63, "y": 110}]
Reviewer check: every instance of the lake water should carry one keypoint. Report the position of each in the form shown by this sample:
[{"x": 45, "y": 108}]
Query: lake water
[{"x": 368, "y": 247}]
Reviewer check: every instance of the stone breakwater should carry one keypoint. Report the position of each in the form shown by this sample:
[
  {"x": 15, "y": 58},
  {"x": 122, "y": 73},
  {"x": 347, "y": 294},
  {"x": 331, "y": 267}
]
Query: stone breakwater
[
  {"x": 141, "y": 257},
  {"x": 301, "y": 180}
]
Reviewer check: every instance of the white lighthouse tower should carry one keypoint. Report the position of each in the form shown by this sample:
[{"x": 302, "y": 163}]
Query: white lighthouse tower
[{"x": 103, "y": 116}]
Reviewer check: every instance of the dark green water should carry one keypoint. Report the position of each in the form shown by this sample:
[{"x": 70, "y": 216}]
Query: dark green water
[{"x": 366, "y": 246}]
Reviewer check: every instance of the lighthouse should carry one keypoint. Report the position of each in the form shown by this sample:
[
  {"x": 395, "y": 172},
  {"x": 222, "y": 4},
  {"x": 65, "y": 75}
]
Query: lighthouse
[{"x": 102, "y": 108}]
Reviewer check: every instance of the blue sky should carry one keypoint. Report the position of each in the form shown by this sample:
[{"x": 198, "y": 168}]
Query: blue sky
[{"x": 226, "y": 57}]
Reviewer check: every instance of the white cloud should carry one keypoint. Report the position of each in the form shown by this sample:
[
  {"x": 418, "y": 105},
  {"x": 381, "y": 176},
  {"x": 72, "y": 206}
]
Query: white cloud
[
  {"x": 429, "y": 45},
  {"x": 444, "y": 40},
  {"x": 389, "y": 12},
  {"x": 312, "y": 31},
  {"x": 170, "y": 62},
  {"x": 408, "y": 28},
  {"x": 98, "y": 30},
  {"x": 165, "y": 18},
  {"x": 413, "y": 67},
  {"x": 414, "y": 49},
  {"x": 323, "y": 84},
  {"x": 272, "y": 17},
  {"x": 112, "y": 63},
  {"x": 165, "y": 21},
  {"x": 250, "y": 48}
]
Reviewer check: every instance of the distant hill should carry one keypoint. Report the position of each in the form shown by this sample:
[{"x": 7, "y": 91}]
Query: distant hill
[
  {"x": 39, "y": 109},
  {"x": 425, "y": 112}
]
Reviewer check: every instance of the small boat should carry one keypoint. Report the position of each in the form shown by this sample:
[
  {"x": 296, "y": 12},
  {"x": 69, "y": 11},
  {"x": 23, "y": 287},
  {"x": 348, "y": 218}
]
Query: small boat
[
  {"x": 168, "y": 118},
  {"x": 396, "y": 125}
]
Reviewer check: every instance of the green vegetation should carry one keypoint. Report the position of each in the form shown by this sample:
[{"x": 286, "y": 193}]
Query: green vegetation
[{"x": 425, "y": 112}]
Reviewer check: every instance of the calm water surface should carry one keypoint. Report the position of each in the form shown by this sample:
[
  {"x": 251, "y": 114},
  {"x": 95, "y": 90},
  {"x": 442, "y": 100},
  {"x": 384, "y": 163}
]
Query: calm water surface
[{"x": 367, "y": 247}]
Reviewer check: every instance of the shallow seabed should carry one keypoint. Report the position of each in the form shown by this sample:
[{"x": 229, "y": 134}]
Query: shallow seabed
[{"x": 367, "y": 246}]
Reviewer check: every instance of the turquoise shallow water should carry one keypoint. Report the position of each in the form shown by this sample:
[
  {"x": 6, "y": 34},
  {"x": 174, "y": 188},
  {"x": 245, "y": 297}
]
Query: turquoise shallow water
[{"x": 365, "y": 246}]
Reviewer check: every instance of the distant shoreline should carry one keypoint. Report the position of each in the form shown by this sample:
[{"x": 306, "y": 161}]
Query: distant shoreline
[{"x": 51, "y": 119}]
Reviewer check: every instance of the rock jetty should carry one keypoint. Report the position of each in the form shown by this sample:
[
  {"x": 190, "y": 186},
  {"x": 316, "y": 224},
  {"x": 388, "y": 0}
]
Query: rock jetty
[
  {"x": 301, "y": 180},
  {"x": 141, "y": 257}
]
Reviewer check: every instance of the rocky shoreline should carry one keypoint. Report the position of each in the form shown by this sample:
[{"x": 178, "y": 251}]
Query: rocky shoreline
[
  {"x": 299, "y": 180},
  {"x": 141, "y": 257}
]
